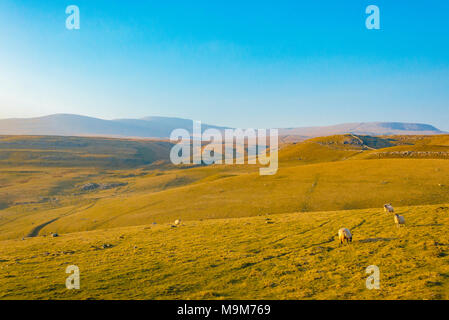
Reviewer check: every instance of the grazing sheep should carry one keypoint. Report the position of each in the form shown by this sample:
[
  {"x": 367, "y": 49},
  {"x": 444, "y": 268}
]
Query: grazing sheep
[
  {"x": 177, "y": 222},
  {"x": 399, "y": 220},
  {"x": 388, "y": 208},
  {"x": 344, "y": 234}
]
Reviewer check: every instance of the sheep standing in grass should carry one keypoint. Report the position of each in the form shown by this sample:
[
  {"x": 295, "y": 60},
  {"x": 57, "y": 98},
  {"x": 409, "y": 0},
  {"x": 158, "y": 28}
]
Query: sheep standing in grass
[
  {"x": 344, "y": 234},
  {"x": 388, "y": 208},
  {"x": 399, "y": 220},
  {"x": 177, "y": 222}
]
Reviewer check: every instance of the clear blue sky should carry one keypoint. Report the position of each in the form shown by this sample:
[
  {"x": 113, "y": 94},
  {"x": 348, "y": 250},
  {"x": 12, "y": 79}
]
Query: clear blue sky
[{"x": 236, "y": 63}]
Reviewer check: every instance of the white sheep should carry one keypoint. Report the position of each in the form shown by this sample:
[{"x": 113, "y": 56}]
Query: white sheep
[
  {"x": 399, "y": 220},
  {"x": 388, "y": 208},
  {"x": 177, "y": 222},
  {"x": 344, "y": 234}
]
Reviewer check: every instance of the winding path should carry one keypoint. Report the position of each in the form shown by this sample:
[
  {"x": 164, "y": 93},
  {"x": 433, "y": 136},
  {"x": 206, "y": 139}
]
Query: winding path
[{"x": 35, "y": 231}]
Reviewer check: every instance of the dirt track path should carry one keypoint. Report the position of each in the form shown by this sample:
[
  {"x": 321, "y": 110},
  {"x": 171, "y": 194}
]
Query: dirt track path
[{"x": 35, "y": 231}]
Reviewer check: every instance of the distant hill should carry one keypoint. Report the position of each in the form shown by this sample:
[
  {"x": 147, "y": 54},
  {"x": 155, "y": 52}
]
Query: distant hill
[
  {"x": 75, "y": 125},
  {"x": 350, "y": 146},
  {"x": 331, "y": 148},
  {"x": 360, "y": 128},
  {"x": 77, "y": 152},
  {"x": 161, "y": 127}
]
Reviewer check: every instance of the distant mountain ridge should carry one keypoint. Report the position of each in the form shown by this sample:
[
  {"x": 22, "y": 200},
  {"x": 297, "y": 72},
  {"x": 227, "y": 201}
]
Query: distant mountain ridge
[
  {"x": 161, "y": 127},
  {"x": 364, "y": 128},
  {"x": 76, "y": 125}
]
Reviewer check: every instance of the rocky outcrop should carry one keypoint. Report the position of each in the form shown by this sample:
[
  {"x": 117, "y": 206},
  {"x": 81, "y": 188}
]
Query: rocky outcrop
[{"x": 103, "y": 186}]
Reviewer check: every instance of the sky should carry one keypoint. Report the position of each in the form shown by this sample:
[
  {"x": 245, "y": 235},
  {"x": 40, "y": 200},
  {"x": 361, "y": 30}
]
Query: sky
[{"x": 232, "y": 63}]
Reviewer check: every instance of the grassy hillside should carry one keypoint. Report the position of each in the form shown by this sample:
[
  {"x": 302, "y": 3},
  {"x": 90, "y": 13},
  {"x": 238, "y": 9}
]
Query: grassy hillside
[
  {"x": 46, "y": 151},
  {"x": 288, "y": 256},
  {"x": 305, "y": 188},
  {"x": 243, "y": 235},
  {"x": 333, "y": 148},
  {"x": 198, "y": 193},
  {"x": 31, "y": 197},
  {"x": 349, "y": 146},
  {"x": 415, "y": 147}
]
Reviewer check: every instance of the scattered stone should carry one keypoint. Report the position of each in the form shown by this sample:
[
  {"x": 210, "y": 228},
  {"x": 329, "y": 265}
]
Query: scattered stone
[
  {"x": 90, "y": 186},
  {"x": 107, "y": 186},
  {"x": 54, "y": 235},
  {"x": 106, "y": 245},
  {"x": 103, "y": 186},
  {"x": 420, "y": 154}
]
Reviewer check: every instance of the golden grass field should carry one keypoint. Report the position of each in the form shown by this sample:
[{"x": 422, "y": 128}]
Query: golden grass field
[{"x": 242, "y": 236}]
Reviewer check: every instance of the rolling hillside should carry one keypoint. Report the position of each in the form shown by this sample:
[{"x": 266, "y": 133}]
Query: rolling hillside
[
  {"x": 242, "y": 236},
  {"x": 330, "y": 173},
  {"x": 415, "y": 147},
  {"x": 350, "y": 146},
  {"x": 328, "y": 186},
  {"x": 80, "y": 152}
]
